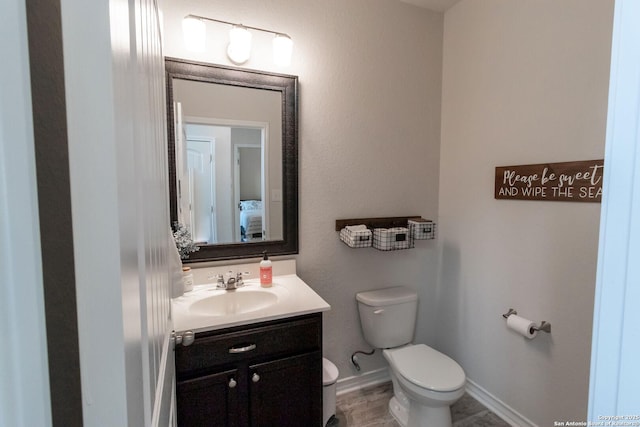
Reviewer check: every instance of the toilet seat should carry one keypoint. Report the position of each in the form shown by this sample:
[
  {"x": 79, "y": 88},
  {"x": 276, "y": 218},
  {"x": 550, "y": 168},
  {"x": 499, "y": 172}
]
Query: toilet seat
[{"x": 427, "y": 368}]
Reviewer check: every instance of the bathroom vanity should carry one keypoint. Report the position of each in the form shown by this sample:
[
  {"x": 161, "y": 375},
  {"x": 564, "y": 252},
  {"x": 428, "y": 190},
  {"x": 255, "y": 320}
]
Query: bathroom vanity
[
  {"x": 255, "y": 356},
  {"x": 267, "y": 374}
]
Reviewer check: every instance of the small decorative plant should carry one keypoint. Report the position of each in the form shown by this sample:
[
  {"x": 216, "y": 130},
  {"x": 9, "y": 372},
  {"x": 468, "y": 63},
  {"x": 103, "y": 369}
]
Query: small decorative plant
[{"x": 183, "y": 240}]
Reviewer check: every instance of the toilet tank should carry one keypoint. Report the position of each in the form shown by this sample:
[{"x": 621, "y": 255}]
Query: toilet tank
[{"x": 388, "y": 316}]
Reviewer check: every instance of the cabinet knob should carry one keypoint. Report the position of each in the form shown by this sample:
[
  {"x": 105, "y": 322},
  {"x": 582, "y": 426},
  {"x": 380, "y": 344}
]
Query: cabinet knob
[
  {"x": 232, "y": 383},
  {"x": 188, "y": 338},
  {"x": 255, "y": 378}
]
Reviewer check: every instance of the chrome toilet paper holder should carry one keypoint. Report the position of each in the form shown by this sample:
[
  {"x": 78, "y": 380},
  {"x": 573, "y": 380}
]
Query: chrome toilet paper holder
[{"x": 544, "y": 325}]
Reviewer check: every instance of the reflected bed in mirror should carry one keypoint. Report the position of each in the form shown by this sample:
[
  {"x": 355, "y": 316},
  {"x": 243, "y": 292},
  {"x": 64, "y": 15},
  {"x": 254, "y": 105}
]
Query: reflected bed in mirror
[{"x": 233, "y": 159}]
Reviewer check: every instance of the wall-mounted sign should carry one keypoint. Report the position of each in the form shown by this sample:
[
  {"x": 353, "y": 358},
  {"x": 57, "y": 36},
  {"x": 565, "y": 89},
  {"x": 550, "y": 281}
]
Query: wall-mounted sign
[{"x": 567, "y": 182}]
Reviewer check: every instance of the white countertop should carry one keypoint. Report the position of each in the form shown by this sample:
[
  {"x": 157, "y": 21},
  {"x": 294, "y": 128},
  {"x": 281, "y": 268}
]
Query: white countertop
[{"x": 295, "y": 298}]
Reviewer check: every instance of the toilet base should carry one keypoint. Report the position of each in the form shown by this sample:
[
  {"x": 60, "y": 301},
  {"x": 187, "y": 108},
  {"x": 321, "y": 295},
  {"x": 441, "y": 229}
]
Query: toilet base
[
  {"x": 398, "y": 412},
  {"x": 420, "y": 416}
]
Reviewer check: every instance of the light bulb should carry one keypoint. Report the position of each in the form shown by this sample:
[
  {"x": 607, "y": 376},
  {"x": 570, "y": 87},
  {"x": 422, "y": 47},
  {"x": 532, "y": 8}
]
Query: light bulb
[
  {"x": 239, "y": 49},
  {"x": 194, "y": 32},
  {"x": 282, "y": 48}
]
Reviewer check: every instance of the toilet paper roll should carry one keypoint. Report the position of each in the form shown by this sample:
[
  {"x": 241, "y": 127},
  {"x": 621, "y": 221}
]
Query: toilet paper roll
[{"x": 522, "y": 326}]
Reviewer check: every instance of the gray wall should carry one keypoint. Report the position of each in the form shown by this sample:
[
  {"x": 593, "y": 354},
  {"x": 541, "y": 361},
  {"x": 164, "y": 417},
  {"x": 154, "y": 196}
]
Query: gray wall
[
  {"x": 370, "y": 83},
  {"x": 523, "y": 82},
  {"x": 519, "y": 83}
]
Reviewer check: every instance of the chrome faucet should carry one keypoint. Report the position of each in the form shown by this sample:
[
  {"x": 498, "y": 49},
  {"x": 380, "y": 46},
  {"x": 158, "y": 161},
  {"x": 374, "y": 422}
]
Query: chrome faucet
[{"x": 232, "y": 283}]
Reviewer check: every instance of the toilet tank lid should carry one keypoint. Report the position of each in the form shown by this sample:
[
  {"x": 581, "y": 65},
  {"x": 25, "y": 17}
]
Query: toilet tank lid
[{"x": 387, "y": 296}]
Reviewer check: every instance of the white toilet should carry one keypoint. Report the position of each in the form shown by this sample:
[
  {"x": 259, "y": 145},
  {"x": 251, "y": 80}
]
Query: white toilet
[{"x": 425, "y": 382}]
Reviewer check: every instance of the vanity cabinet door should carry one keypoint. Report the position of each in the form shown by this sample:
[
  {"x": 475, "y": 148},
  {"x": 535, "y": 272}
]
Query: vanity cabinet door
[
  {"x": 287, "y": 392},
  {"x": 209, "y": 401}
]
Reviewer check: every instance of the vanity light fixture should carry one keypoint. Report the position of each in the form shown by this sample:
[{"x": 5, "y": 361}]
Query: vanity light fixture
[
  {"x": 239, "y": 48},
  {"x": 282, "y": 47},
  {"x": 194, "y": 33}
]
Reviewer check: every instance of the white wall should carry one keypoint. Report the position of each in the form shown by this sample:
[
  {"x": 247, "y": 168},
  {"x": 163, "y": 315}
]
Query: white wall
[
  {"x": 523, "y": 82},
  {"x": 370, "y": 84}
]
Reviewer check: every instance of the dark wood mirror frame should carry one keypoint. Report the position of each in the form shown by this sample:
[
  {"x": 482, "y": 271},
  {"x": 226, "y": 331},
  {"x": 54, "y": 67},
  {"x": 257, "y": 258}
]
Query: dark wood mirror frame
[{"x": 288, "y": 86}]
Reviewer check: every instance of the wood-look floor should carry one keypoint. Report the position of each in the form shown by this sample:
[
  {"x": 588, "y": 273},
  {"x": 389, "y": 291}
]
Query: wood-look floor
[{"x": 369, "y": 408}]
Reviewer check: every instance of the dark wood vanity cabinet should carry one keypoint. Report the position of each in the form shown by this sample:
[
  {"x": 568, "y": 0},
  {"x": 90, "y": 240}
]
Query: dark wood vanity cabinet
[{"x": 261, "y": 375}]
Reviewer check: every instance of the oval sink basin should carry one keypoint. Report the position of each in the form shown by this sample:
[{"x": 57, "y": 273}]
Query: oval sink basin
[{"x": 233, "y": 302}]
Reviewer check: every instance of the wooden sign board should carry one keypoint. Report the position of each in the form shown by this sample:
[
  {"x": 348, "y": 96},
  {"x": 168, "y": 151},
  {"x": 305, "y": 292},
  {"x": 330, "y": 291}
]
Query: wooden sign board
[{"x": 566, "y": 182}]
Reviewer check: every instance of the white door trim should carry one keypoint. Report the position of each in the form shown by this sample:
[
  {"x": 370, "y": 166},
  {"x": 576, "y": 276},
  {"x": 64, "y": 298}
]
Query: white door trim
[{"x": 614, "y": 372}]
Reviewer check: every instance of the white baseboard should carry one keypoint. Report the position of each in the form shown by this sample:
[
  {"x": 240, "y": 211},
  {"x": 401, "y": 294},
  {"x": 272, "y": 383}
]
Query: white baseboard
[
  {"x": 497, "y": 406},
  {"x": 356, "y": 382}
]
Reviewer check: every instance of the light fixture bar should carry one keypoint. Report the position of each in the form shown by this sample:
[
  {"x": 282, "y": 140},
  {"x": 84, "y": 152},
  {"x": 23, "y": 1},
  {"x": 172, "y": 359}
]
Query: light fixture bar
[{"x": 233, "y": 24}]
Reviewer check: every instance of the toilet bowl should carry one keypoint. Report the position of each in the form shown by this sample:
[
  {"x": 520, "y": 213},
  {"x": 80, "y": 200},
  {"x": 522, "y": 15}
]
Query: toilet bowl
[{"x": 426, "y": 383}]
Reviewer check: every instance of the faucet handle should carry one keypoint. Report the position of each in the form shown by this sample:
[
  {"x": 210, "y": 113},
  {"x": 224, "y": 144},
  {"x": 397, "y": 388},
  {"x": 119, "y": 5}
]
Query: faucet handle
[
  {"x": 240, "y": 277},
  {"x": 221, "y": 284}
]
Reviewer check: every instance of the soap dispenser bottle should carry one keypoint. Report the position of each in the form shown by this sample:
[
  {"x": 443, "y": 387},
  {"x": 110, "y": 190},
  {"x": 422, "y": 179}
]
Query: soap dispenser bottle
[{"x": 266, "y": 272}]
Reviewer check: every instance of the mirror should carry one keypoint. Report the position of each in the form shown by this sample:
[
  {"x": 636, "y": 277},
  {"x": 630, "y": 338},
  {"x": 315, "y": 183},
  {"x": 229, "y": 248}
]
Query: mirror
[{"x": 233, "y": 159}]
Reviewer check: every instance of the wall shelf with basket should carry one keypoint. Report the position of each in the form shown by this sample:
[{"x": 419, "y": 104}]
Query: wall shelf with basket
[{"x": 385, "y": 233}]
